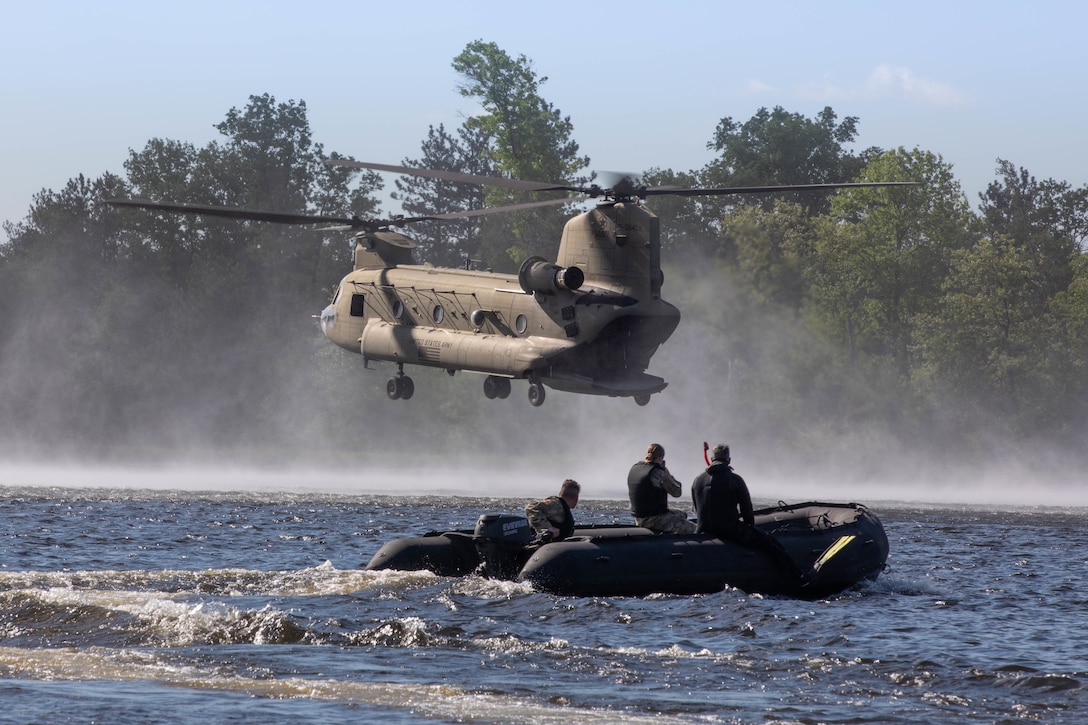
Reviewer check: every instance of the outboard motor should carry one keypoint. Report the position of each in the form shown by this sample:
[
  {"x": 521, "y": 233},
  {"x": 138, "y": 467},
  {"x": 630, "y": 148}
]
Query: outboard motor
[{"x": 500, "y": 541}]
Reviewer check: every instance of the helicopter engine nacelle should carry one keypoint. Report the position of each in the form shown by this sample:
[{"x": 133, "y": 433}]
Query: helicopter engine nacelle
[{"x": 539, "y": 275}]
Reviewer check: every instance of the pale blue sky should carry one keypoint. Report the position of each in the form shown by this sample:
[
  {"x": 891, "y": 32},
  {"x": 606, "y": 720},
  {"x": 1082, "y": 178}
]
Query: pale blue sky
[{"x": 645, "y": 83}]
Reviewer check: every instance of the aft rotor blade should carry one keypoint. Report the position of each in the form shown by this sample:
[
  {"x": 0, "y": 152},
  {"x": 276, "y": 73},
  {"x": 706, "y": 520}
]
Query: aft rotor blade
[
  {"x": 673, "y": 191},
  {"x": 456, "y": 176}
]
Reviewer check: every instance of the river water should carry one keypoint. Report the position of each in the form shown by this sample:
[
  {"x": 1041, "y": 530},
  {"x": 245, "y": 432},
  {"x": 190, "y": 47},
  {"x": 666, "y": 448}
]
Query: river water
[{"x": 137, "y": 606}]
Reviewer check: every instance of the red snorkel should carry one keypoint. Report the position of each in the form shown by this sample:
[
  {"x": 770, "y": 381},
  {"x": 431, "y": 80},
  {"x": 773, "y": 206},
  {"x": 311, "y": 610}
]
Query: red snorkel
[{"x": 705, "y": 456}]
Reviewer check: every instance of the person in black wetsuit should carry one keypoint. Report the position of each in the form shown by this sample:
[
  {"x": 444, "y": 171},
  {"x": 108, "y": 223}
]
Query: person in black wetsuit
[{"x": 724, "y": 509}]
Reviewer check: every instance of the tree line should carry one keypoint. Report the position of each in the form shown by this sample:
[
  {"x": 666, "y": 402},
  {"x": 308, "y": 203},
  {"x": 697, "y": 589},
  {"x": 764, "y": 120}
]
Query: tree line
[{"x": 905, "y": 310}]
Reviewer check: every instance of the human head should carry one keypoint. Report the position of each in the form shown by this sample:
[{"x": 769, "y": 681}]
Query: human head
[
  {"x": 656, "y": 452},
  {"x": 720, "y": 453},
  {"x": 569, "y": 491}
]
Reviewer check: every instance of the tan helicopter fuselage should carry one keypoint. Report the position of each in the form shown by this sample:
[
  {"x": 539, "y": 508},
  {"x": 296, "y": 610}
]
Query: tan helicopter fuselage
[{"x": 588, "y": 323}]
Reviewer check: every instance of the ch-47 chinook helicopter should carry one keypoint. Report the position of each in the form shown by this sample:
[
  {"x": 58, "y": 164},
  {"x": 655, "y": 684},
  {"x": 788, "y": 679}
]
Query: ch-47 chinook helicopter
[{"x": 587, "y": 323}]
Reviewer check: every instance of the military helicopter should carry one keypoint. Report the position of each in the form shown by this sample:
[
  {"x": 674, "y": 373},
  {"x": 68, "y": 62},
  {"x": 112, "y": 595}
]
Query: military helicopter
[{"x": 587, "y": 323}]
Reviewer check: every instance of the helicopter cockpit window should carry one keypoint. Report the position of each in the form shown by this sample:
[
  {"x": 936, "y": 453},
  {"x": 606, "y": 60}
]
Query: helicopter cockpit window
[
  {"x": 521, "y": 324},
  {"x": 438, "y": 314},
  {"x": 398, "y": 309},
  {"x": 358, "y": 306}
]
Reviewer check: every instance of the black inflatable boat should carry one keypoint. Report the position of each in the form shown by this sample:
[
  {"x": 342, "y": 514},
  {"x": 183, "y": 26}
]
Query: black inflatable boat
[{"x": 845, "y": 544}]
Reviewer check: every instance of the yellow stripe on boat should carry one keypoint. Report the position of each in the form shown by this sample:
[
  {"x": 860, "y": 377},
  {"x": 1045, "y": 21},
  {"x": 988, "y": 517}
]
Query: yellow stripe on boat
[{"x": 835, "y": 548}]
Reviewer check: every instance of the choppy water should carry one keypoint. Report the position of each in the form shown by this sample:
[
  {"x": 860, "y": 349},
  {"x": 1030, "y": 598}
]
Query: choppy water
[{"x": 122, "y": 606}]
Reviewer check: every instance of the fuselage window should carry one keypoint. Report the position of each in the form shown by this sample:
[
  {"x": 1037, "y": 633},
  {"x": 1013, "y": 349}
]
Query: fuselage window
[
  {"x": 521, "y": 324},
  {"x": 358, "y": 306},
  {"x": 398, "y": 309},
  {"x": 438, "y": 314}
]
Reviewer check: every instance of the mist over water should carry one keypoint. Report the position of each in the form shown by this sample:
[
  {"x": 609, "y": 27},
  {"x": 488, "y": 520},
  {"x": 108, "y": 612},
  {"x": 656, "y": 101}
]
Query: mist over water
[
  {"x": 208, "y": 430},
  {"x": 518, "y": 450},
  {"x": 602, "y": 474}
]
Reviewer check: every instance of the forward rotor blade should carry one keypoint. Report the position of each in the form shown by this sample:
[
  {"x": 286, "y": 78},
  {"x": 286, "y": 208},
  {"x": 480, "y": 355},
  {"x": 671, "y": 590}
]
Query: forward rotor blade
[
  {"x": 340, "y": 223},
  {"x": 511, "y": 207},
  {"x": 239, "y": 213}
]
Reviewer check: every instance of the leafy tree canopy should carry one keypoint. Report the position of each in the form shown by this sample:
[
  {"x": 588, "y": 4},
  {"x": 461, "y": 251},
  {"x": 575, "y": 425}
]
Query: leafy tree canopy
[
  {"x": 778, "y": 147},
  {"x": 528, "y": 139},
  {"x": 451, "y": 242}
]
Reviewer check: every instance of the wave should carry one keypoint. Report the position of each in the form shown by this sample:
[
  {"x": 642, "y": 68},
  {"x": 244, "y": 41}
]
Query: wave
[
  {"x": 324, "y": 580},
  {"x": 447, "y": 702}
]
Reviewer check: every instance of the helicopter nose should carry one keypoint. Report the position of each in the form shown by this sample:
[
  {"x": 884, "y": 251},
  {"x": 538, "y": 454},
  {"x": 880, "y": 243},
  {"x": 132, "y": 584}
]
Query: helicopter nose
[{"x": 327, "y": 316}]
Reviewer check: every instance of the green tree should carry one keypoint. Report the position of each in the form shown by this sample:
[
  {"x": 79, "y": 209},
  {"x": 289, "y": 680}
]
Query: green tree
[
  {"x": 881, "y": 257},
  {"x": 685, "y": 230},
  {"x": 1007, "y": 342},
  {"x": 767, "y": 246},
  {"x": 268, "y": 161},
  {"x": 529, "y": 139},
  {"x": 778, "y": 147},
  {"x": 171, "y": 330},
  {"x": 987, "y": 347},
  {"x": 448, "y": 242},
  {"x": 1071, "y": 309},
  {"x": 57, "y": 265},
  {"x": 1048, "y": 220}
]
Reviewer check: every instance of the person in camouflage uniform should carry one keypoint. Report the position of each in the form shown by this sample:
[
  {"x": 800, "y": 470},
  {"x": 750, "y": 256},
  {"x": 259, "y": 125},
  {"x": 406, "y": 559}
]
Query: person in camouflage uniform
[
  {"x": 648, "y": 484},
  {"x": 551, "y": 517}
]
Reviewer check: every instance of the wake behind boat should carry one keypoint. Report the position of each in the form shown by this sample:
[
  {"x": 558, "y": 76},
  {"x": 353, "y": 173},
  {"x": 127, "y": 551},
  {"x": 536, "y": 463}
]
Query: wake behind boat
[{"x": 844, "y": 545}]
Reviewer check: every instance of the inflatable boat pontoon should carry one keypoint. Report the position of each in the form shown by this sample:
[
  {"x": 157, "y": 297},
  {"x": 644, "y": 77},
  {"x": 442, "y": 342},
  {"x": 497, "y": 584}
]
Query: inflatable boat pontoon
[{"x": 844, "y": 544}]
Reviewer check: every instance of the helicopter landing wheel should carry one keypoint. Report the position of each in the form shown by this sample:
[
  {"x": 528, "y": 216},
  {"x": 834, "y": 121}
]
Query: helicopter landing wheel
[
  {"x": 400, "y": 387},
  {"x": 642, "y": 399},
  {"x": 392, "y": 388},
  {"x": 496, "y": 387},
  {"x": 536, "y": 394}
]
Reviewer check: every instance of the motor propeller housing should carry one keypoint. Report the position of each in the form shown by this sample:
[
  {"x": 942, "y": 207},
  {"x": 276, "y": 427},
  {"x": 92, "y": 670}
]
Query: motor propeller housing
[{"x": 539, "y": 275}]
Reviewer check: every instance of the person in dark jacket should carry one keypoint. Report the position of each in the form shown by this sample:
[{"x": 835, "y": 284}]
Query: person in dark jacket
[
  {"x": 724, "y": 509},
  {"x": 649, "y": 483},
  {"x": 551, "y": 517}
]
